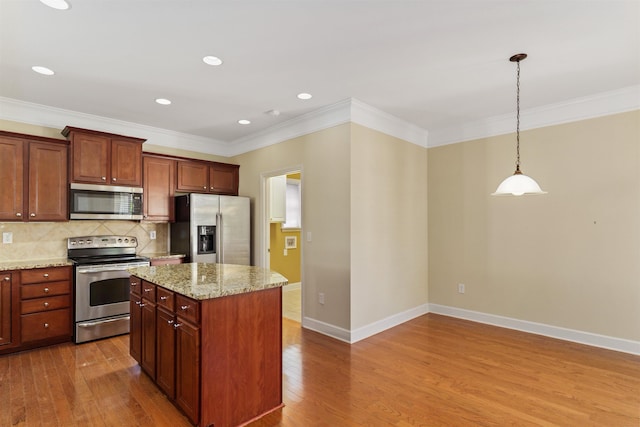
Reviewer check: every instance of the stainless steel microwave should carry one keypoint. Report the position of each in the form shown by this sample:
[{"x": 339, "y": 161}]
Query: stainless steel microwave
[{"x": 93, "y": 201}]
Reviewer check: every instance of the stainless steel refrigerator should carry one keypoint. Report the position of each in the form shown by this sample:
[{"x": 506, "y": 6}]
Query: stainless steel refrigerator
[{"x": 212, "y": 228}]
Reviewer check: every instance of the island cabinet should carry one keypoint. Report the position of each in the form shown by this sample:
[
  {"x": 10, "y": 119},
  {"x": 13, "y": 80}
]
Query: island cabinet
[
  {"x": 33, "y": 172},
  {"x": 104, "y": 158},
  {"x": 207, "y": 177},
  {"x": 8, "y": 292},
  {"x": 219, "y": 353},
  {"x": 142, "y": 325}
]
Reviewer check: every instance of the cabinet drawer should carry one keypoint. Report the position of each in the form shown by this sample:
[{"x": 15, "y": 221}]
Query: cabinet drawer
[
  {"x": 166, "y": 298},
  {"x": 45, "y": 304},
  {"x": 188, "y": 308},
  {"x": 135, "y": 285},
  {"x": 39, "y": 326},
  {"x": 39, "y": 275},
  {"x": 45, "y": 289},
  {"x": 148, "y": 291}
]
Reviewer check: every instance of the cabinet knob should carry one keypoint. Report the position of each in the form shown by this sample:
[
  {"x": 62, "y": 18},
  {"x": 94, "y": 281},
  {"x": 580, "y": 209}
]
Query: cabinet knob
[
  {"x": 46, "y": 274},
  {"x": 137, "y": 302},
  {"x": 32, "y": 214},
  {"x": 177, "y": 325},
  {"x": 18, "y": 214},
  {"x": 163, "y": 298},
  {"x": 134, "y": 283},
  {"x": 205, "y": 187},
  {"x": 7, "y": 278},
  {"x": 170, "y": 322},
  {"x": 141, "y": 305},
  {"x": 46, "y": 325},
  {"x": 46, "y": 304},
  {"x": 113, "y": 179},
  {"x": 46, "y": 290},
  {"x": 147, "y": 289},
  {"x": 104, "y": 178},
  {"x": 184, "y": 307}
]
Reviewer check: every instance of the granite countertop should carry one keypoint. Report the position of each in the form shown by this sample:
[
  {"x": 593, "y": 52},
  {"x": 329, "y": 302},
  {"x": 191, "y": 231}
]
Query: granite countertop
[
  {"x": 206, "y": 281},
  {"x": 162, "y": 255},
  {"x": 34, "y": 263}
]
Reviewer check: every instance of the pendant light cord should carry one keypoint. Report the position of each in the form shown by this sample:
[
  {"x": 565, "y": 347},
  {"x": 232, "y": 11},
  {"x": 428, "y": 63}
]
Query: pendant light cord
[{"x": 518, "y": 119}]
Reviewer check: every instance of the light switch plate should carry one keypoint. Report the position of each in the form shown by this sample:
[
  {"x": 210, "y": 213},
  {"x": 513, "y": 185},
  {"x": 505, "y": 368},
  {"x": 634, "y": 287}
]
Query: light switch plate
[
  {"x": 152, "y": 234},
  {"x": 7, "y": 237}
]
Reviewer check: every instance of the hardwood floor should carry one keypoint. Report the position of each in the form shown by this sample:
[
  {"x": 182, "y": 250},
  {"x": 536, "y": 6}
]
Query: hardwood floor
[{"x": 431, "y": 371}]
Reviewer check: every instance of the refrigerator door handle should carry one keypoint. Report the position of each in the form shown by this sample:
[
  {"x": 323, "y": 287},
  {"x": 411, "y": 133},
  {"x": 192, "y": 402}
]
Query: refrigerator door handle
[{"x": 219, "y": 250}]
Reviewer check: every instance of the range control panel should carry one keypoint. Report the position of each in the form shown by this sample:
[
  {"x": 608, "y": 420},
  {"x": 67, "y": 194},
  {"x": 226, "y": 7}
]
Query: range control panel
[{"x": 88, "y": 242}]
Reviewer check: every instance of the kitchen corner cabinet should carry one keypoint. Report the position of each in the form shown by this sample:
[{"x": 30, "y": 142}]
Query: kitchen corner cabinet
[
  {"x": 33, "y": 171},
  {"x": 158, "y": 188},
  {"x": 104, "y": 158},
  {"x": 207, "y": 177}
]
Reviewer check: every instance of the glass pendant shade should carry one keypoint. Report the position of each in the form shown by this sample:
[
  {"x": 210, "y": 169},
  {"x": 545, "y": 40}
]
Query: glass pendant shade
[{"x": 517, "y": 185}]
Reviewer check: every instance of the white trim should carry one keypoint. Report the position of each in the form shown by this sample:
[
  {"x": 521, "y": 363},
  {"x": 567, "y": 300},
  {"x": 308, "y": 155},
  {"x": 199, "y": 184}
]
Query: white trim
[
  {"x": 326, "y": 329},
  {"x": 387, "y": 323},
  {"x": 291, "y": 287},
  {"x": 58, "y": 118},
  {"x": 588, "y": 107},
  {"x": 588, "y": 338}
]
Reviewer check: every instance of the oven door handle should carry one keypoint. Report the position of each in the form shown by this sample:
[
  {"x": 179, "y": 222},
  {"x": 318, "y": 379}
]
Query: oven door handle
[
  {"x": 100, "y": 322},
  {"x": 114, "y": 267}
]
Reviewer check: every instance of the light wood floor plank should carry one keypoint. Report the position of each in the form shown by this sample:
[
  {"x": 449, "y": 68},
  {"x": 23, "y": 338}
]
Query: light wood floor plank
[{"x": 431, "y": 371}]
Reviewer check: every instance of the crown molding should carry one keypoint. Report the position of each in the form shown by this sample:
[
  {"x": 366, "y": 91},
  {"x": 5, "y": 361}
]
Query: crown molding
[
  {"x": 598, "y": 105},
  {"x": 58, "y": 118}
]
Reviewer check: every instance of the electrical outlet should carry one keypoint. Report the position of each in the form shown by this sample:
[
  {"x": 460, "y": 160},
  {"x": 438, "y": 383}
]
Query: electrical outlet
[
  {"x": 152, "y": 234},
  {"x": 7, "y": 237},
  {"x": 321, "y": 298},
  {"x": 308, "y": 236},
  {"x": 461, "y": 288},
  {"x": 285, "y": 252}
]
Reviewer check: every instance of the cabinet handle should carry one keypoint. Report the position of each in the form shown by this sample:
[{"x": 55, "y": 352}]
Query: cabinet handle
[
  {"x": 137, "y": 302},
  {"x": 46, "y": 274},
  {"x": 46, "y": 325},
  {"x": 7, "y": 278},
  {"x": 170, "y": 322},
  {"x": 46, "y": 290},
  {"x": 177, "y": 325},
  {"x": 46, "y": 304},
  {"x": 134, "y": 283},
  {"x": 104, "y": 178},
  {"x": 141, "y": 304},
  {"x": 164, "y": 298},
  {"x": 147, "y": 289},
  {"x": 32, "y": 214},
  {"x": 18, "y": 214},
  {"x": 184, "y": 307}
]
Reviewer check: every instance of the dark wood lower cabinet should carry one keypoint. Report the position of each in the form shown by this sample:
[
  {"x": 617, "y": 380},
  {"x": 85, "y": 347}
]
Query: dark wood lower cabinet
[
  {"x": 166, "y": 348},
  {"x": 135, "y": 327},
  {"x": 188, "y": 369},
  {"x": 148, "y": 340}
]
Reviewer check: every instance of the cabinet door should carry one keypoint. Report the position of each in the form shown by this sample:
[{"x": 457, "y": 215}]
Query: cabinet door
[
  {"x": 135, "y": 327},
  {"x": 159, "y": 185},
  {"x": 224, "y": 179},
  {"x": 90, "y": 158},
  {"x": 47, "y": 182},
  {"x": 126, "y": 163},
  {"x": 278, "y": 198},
  {"x": 5, "y": 309},
  {"x": 192, "y": 176},
  {"x": 11, "y": 169},
  {"x": 166, "y": 352},
  {"x": 188, "y": 369},
  {"x": 148, "y": 351}
]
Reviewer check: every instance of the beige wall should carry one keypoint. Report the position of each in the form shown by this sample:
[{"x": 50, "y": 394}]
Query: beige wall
[
  {"x": 388, "y": 226},
  {"x": 323, "y": 159},
  {"x": 570, "y": 258}
]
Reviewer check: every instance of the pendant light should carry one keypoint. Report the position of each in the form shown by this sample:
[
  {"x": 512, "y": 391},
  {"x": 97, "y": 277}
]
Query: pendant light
[{"x": 518, "y": 183}]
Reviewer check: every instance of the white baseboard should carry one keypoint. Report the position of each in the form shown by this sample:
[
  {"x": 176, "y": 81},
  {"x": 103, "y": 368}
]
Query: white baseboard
[
  {"x": 364, "y": 331},
  {"x": 603, "y": 341},
  {"x": 291, "y": 287}
]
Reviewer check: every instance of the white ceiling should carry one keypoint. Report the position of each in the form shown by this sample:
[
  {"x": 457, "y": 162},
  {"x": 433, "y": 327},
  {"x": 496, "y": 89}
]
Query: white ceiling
[{"x": 437, "y": 64}]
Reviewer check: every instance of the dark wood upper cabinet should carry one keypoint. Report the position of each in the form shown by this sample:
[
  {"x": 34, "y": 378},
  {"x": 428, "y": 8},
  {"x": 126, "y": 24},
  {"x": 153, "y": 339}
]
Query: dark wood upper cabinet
[
  {"x": 207, "y": 177},
  {"x": 33, "y": 173},
  {"x": 158, "y": 188},
  {"x": 104, "y": 158}
]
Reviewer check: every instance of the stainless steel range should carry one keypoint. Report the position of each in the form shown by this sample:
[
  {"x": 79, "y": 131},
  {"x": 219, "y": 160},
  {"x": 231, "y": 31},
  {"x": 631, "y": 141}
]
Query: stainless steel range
[{"x": 102, "y": 284}]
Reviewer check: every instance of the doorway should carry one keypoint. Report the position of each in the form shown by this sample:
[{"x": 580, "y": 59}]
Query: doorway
[{"x": 283, "y": 232}]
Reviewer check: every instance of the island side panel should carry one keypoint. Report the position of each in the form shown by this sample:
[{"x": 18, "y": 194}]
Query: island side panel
[{"x": 241, "y": 357}]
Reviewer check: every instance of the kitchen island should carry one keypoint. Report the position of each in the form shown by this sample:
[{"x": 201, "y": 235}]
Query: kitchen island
[{"x": 210, "y": 336}]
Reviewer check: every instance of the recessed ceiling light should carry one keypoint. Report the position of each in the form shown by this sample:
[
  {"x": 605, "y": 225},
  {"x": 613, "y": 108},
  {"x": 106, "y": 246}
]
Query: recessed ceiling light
[
  {"x": 163, "y": 101},
  {"x": 212, "y": 60},
  {"x": 244, "y": 122},
  {"x": 56, "y": 4},
  {"x": 304, "y": 95},
  {"x": 43, "y": 70}
]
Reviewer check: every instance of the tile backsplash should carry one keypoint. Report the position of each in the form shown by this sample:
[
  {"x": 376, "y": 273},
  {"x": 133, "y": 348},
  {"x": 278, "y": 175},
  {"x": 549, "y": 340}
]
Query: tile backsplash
[{"x": 43, "y": 240}]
